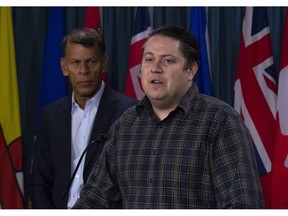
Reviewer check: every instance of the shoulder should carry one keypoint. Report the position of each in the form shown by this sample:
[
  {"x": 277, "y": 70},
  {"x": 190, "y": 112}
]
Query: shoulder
[
  {"x": 213, "y": 102},
  {"x": 62, "y": 103},
  {"x": 215, "y": 107},
  {"x": 118, "y": 97},
  {"x": 221, "y": 118}
]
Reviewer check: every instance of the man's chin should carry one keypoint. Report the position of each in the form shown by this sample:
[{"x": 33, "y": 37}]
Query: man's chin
[{"x": 87, "y": 94}]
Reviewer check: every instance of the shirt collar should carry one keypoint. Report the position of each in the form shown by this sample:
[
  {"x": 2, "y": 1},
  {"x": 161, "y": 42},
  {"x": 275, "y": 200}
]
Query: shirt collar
[
  {"x": 94, "y": 100},
  {"x": 185, "y": 103}
]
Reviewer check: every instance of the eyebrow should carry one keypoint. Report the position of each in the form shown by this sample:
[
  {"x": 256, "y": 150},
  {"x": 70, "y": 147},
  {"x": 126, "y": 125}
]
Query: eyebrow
[
  {"x": 162, "y": 56},
  {"x": 85, "y": 59}
]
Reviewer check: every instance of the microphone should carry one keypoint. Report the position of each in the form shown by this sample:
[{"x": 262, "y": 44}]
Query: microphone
[{"x": 102, "y": 138}]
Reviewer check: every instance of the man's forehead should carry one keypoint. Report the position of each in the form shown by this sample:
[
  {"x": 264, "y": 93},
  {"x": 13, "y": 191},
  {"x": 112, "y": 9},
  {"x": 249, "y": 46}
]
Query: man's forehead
[
  {"x": 162, "y": 39},
  {"x": 161, "y": 43}
]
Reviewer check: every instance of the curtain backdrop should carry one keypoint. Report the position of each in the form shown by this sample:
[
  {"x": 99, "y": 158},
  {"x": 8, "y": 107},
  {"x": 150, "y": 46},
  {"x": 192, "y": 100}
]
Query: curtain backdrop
[{"x": 224, "y": 26}]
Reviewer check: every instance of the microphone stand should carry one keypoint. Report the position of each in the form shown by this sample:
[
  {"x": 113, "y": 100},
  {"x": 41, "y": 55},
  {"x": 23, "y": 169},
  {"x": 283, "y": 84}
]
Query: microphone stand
[{"x": 102, "y": 138}]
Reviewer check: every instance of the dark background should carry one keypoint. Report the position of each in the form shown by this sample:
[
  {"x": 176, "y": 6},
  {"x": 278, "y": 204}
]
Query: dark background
[{"x": 224, "y": 26}]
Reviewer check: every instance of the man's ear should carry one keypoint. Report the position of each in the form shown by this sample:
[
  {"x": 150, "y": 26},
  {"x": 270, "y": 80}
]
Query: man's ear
[
  {"x": 64, "y": 67},
  {"x": 105, "y": 63},
  {"x": 192, "y": 70}
]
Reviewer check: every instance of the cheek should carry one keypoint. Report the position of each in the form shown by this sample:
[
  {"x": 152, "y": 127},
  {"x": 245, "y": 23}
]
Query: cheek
[
  {"x": 143, "y": 75},
  {"x": 178, "y": 79},
  {"x": 96, "y": 74},
  {"x": 72, "y": 78},
  {"x": 142, "y": 79},
  {"x": 98, "y": 69}
]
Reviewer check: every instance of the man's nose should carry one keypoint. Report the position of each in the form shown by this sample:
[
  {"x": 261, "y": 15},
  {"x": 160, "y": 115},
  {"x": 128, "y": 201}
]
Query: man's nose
[
  {"x": 156, "y": 67},
  {"x": 83, "y": 68}
]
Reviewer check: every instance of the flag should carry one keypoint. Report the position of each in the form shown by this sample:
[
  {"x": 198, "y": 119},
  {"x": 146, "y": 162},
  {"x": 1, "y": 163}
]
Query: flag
[
  {"x": 256, "y": 91},
  {"x": 198, "y": 26},
  {"x": 280, "y": 160},
  {"x": 53, "y": 84},
  {"x": 142, "y": 29},
  {"x": 92, "y": 20},
  {"x": 11, "y": 164}
]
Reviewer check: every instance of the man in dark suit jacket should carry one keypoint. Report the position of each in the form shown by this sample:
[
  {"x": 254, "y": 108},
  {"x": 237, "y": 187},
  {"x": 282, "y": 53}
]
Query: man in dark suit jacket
[{"x": 84, "y": 60}]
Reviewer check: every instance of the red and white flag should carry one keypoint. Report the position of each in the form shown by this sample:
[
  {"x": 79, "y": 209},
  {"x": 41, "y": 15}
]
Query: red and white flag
[
  {"x": 93, "y": 20},
  {"x": 142, "y": 28},
  {"x": 280, "y": 160},
  {"x": 256, "y": 90}
]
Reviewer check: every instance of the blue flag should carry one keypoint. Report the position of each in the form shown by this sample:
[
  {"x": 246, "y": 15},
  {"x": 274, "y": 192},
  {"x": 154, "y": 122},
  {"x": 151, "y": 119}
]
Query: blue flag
[
  {"x": 198, "y": 26},
  {"x": 53, "y": 84}
]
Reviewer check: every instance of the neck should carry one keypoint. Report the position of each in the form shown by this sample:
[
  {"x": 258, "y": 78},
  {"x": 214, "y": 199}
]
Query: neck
[{"x": 81, "y": 101}]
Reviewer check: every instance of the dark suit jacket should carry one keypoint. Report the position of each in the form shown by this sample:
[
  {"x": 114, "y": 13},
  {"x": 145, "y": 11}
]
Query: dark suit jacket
[{"x": 51, "y": 169}]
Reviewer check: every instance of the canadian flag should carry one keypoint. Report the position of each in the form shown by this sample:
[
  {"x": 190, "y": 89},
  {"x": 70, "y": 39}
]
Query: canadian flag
[
  {"x": 279, "y": 194},
  {"x": 142, "y": 29}
]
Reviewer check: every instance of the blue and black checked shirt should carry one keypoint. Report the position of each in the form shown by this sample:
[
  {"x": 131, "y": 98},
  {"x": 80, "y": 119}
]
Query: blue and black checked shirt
[{"x": 200, "y": 156}]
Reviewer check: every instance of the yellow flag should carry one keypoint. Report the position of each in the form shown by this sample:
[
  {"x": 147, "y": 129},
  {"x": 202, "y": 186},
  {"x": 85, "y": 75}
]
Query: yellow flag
[{"x": 11, "y": 164}]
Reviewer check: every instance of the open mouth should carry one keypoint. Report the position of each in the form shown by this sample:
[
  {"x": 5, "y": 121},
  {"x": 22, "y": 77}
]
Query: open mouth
[{"x": 156, "y": 81}]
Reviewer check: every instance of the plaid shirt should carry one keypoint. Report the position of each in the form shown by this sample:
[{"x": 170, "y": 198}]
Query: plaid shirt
[{"x": 200, "y": 156}]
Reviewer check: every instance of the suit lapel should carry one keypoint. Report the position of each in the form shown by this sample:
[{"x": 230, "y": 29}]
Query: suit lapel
[
  {"x": 64, "y": 125},
  {"x": 106, "y": 109},
  {"x": 102, "y": 122}
]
